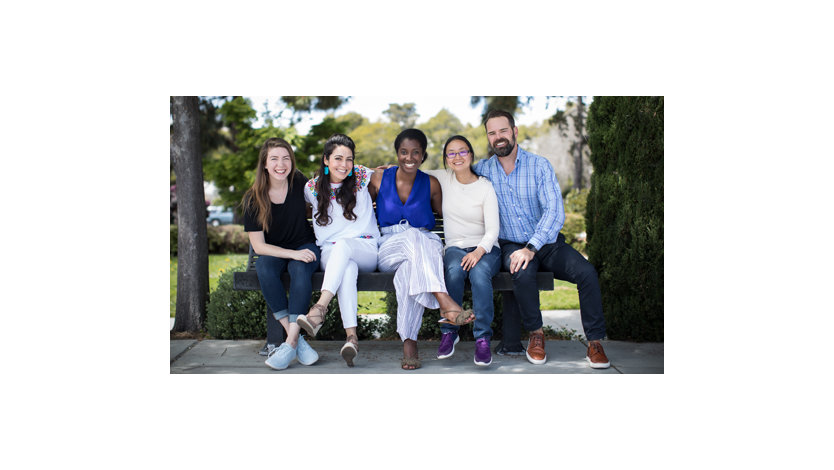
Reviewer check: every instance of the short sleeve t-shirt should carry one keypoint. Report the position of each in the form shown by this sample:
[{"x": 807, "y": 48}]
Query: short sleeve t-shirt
[{"x": 289, "y": 228}]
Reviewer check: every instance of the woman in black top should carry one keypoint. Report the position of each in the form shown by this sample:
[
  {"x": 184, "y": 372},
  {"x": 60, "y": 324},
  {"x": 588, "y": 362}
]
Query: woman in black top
[{"x": 275, "y": 216}]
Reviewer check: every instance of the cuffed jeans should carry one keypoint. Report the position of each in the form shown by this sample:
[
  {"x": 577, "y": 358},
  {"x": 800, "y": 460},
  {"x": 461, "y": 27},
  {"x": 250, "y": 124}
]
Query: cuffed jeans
[
  {"x": 480, "y": 278},
  {"x": 269, "y": 270},
  {"x": 566, "y": 264}
]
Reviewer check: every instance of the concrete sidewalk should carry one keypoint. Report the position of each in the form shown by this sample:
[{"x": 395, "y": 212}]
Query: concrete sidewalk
[{"x": 383, "y": 357}]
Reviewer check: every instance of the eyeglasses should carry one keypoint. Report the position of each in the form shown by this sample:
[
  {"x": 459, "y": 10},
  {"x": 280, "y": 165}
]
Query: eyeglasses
[{"x": 462, "y": 153}]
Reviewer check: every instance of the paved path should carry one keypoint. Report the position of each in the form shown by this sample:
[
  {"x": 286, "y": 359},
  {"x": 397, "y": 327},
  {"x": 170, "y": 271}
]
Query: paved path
[{"x": 383, "y": 357}]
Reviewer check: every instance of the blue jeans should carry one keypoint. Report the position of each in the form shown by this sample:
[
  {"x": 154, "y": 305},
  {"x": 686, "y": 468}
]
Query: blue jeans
[
  {"x": 480, "y": 277},
  {"x": 269, "y": 270}
]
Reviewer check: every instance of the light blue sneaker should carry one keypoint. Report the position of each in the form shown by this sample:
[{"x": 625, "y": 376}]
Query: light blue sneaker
[
  {"x": 281, "y": 357},
  {"x": 306, "y": 354}
]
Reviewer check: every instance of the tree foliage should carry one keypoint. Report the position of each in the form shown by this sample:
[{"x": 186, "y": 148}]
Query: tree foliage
[
  {"x": 231, "y": 165},
  {"x": 575, "y": 111},
  {"x": 438, "y": 128},
  {"x": 511, "y": 104},
  {"x": 375, "y": 143},
  {"x": 306, "y": 104},
  {"x": 624, "y": 214},
  {"x": 403, "y": 115}
]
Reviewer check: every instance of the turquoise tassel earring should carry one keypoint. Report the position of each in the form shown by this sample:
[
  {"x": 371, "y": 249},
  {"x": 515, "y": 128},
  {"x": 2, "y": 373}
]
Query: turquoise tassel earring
[
  {"x": 326, "y": 170},
  {"x": 351, "y": 172}
]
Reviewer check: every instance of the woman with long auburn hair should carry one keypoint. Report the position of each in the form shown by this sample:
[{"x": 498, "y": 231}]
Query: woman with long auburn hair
[
  {"x": 275, "y": 215},
  {"x": 345, "y": 228}
]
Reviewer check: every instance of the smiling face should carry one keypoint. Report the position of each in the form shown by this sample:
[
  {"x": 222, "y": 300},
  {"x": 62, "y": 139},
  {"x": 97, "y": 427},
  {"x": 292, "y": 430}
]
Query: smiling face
[
  {"x": 501, "y": 136},
  {"x": 340, "y": 163},
  {"x": 454, "y": 158},
  {"x": 278, "y": 164},
  {"x": 410, "y": 155}
]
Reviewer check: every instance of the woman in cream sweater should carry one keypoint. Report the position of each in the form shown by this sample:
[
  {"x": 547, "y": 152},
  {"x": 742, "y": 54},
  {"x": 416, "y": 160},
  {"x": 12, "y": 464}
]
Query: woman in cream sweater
[{"x": 470, "y": 226}]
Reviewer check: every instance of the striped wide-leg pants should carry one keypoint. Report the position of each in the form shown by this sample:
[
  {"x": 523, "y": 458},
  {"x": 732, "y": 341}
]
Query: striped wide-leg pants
[{"x": 416, "y": 257}]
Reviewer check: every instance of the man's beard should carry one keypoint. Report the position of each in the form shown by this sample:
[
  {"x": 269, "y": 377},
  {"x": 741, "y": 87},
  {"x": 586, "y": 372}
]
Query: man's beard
[{"x": 506, "y": 150}]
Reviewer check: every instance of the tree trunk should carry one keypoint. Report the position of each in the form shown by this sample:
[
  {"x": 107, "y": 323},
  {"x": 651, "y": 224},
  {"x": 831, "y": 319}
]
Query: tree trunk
[
  {"x": 192, "y": 244},
  {"x": 580, "y": 129}
]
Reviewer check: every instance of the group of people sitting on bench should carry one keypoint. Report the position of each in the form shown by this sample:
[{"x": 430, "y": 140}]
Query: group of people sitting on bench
[{"x": 505, "y": 211}]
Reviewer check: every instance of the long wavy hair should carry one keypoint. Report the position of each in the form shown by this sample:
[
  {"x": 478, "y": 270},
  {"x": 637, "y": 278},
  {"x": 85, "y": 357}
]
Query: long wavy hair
[
  {"x": 257, "y": 197},
  {"x": 346, "y": 195}
]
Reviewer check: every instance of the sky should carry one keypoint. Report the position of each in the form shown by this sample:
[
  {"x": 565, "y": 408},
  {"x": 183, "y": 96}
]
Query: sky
[{"x": 427, "y": 106}]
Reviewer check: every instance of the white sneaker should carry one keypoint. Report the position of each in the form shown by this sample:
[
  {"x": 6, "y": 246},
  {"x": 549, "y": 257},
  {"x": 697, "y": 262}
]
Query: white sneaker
[
  {"x": 281, "y": 357},
  {"x": 306, "y": 354}
]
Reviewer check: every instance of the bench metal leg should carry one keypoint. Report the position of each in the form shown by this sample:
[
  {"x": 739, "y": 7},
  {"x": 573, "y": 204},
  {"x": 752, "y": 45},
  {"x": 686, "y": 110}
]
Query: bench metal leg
[
  {"x": 512, "y": 324},
  {"x": 274, "y": 330}
]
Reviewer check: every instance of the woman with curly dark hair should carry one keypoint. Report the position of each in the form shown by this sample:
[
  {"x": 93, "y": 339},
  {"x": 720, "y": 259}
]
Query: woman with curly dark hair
[{"x": 346, "y": 231}]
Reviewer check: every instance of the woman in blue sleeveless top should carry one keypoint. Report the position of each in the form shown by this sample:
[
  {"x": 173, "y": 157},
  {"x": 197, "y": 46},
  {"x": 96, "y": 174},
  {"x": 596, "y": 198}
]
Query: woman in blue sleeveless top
[{"x": 405, "y": 197}]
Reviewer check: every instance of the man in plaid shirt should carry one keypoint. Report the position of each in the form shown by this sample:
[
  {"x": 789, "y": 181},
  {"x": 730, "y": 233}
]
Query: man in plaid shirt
[{"x": 531, "y": 215}]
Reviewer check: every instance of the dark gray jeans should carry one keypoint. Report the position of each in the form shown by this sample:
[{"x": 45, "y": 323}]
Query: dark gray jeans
[{"x": 566, "y": 264}]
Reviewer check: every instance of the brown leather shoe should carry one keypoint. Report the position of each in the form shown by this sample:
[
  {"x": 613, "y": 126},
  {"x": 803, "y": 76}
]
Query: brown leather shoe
[
  {"x": 596, "y": 356},
  {"x": 535, "y": 349}
]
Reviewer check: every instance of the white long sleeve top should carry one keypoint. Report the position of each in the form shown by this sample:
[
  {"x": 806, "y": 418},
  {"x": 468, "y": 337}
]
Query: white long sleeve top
[
  {"x": 365, "y": 224},
  {"x": 470, "y": 211}
]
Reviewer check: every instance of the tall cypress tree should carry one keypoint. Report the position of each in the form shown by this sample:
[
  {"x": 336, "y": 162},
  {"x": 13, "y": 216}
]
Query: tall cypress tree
[{"x": 624, "y": 215}]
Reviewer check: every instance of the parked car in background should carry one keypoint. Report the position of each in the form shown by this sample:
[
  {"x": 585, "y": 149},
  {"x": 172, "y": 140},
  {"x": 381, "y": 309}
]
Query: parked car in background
[{"x": 219, "y": 215}]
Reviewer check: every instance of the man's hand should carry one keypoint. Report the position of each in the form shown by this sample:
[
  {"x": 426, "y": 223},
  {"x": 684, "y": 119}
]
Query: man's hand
[{"x": 519, "y": 259}]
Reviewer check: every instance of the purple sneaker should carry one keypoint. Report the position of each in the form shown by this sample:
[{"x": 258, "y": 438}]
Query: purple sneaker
[
  {"x": 483, "y": 356},
  {"x": 447, "y": 345}
]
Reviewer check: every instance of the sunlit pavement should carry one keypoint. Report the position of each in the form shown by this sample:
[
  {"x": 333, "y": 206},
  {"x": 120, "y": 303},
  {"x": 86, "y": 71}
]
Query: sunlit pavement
[{"x": 383, "y": 357}]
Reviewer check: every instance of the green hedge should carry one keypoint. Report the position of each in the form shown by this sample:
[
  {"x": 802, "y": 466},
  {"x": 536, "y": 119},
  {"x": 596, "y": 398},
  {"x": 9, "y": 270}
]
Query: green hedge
[
  {"x": 624, "y": 214},
  {"x": 430, "y": 329},
  {"x": 574, "y": 226},
  {"x": 221, "y": 240},
  {"x": 242, "y": 314},
  {"x": 174, "y": 238},
  {"x": 235, "y": 314}
]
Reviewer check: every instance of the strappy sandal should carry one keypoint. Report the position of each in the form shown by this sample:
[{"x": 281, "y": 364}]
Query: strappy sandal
[
  {"x": 460, "y": 318},
  {"x": 350, "y": 349},
  {"x": 304, "y": 320},
  {"x": 412, "y": 362}
]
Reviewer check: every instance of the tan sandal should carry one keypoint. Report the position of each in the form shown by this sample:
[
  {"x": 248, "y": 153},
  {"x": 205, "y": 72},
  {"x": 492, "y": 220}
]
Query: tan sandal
[
  {"x": 460, "y": 318},
  {"x": 350, "y": 349},
  {"x": 316, "y": 311},
  {"x": 413, "y": 362}
]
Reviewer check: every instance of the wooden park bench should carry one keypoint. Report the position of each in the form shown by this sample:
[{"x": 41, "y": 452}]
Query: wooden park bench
[{"x": 384, "y": 282}]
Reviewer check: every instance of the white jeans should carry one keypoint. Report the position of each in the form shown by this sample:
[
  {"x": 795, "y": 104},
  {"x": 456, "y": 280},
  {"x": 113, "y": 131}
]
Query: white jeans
[{"x": 342, "y": 262}]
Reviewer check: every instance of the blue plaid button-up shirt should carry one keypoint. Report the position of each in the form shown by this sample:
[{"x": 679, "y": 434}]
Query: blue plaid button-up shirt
[{"x": 529, "y": 199}]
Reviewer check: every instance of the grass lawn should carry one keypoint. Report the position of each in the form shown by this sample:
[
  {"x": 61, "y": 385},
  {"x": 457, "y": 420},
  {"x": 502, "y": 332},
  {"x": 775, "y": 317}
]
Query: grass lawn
[
  {"x": 218, "y": 264},
  {"x": 564, "y": 295}
]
